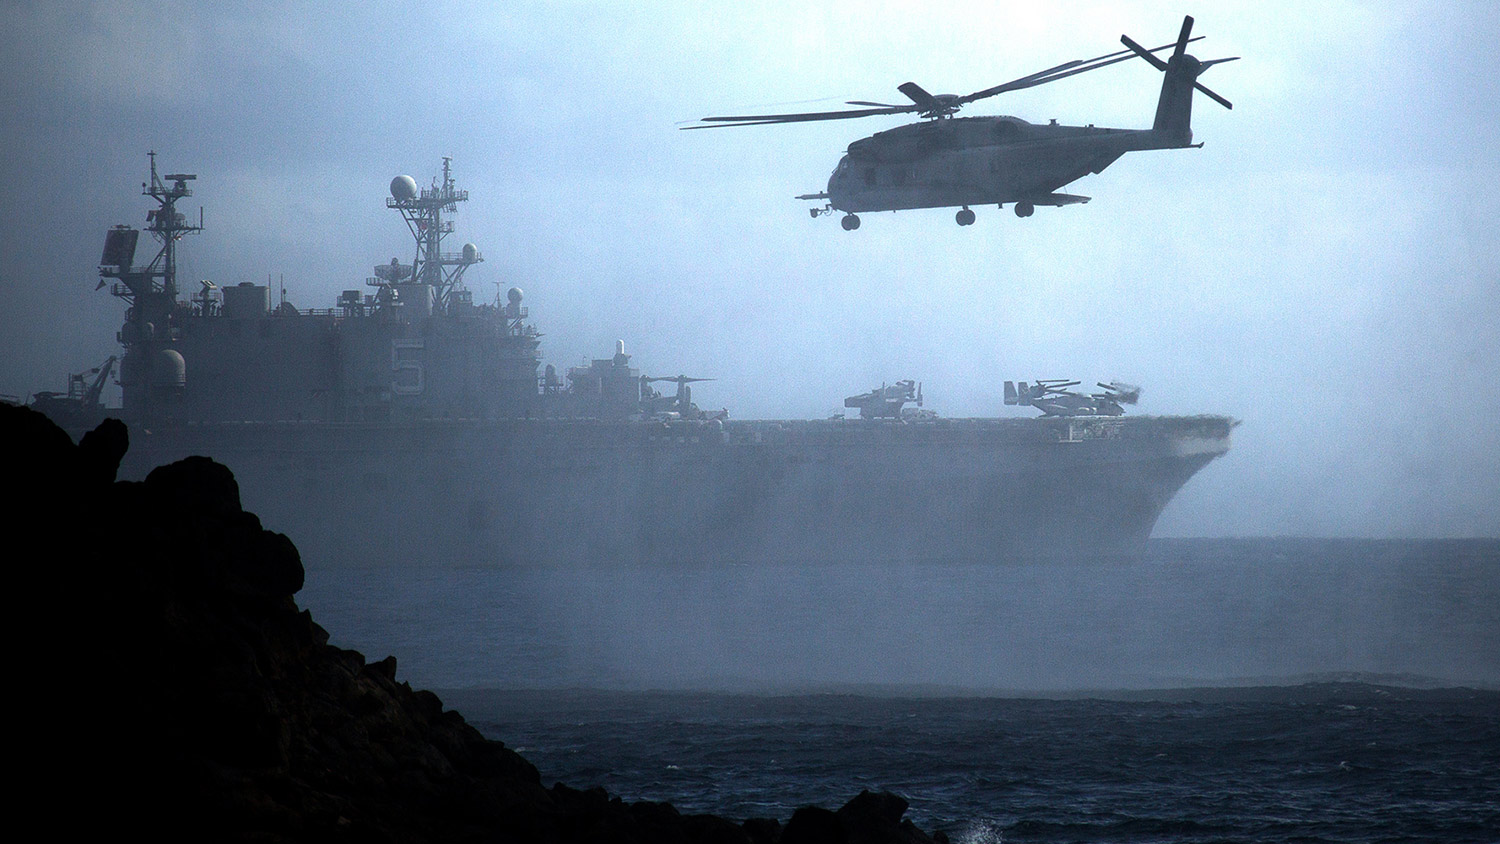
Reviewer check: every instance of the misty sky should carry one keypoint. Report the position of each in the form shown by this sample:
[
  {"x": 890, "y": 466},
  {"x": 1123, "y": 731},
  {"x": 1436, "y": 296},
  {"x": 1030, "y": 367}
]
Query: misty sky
[{"x": 1324, "y": 269}]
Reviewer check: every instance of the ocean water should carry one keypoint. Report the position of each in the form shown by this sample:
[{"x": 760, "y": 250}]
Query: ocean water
[
  {"x": 1372, "y": 765},
  {"x": 749, "y": 691}
]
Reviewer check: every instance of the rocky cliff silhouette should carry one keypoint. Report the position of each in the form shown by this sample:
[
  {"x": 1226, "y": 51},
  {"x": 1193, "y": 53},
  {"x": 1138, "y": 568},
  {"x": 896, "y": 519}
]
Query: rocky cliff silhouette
[{"x": 170, "y": 686}]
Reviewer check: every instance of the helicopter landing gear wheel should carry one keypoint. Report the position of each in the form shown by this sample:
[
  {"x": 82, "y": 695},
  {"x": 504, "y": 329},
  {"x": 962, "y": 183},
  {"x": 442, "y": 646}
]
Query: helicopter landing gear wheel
[
  {"x": 1025, "y": 209},
  {"x": 964, "y": 217},
  {"x": 850, "y": 222}
]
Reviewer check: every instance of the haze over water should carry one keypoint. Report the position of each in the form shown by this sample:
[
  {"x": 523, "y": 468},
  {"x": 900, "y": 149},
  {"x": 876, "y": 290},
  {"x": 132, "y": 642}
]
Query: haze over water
[{"x": 1207, "y": 612}]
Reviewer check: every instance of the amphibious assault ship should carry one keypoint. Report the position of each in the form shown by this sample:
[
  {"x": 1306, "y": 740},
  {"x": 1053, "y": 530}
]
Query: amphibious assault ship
[{"x": 411, "y": 424}]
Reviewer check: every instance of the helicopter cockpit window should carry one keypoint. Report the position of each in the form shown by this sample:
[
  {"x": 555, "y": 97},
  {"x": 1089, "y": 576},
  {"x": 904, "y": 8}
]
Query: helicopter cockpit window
[{"x": 870, "y": 177}]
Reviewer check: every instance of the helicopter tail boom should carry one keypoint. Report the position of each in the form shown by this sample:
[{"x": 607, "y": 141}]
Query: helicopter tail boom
[{"x": 1174, "y": 108}]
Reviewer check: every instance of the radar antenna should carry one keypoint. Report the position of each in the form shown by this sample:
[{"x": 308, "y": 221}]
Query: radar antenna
[
  {"x": 151, "y": 302},
  {"x": 423, "y": 212}
]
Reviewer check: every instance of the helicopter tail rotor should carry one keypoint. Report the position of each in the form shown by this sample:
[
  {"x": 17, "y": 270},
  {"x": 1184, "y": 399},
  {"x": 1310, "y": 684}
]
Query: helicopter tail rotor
[{"x": 1174, "y": 108}]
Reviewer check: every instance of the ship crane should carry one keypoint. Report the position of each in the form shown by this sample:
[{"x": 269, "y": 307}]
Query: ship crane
[
  {"x": 90, "y": 396},
  {"x": 81, "y": 407}
]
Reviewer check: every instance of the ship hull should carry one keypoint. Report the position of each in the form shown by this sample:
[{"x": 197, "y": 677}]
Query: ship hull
[{"x": 571, "y": 492}]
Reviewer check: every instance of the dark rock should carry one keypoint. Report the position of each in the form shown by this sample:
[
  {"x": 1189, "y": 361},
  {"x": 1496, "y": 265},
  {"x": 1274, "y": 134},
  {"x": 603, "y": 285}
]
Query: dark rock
[
  {"x": 385, "y": 668},
  {"x": 877, "y": 808},
  {"x": 197, "y": 488},
  {"x": 814, "y": 825},
  {"x": 711, "y": 829},
  {"x": 172, "y": 689},
  {"x": 763, "y": 830},
  {"x": 870, "y": 818},
  {"x": 102, "y": 449}
]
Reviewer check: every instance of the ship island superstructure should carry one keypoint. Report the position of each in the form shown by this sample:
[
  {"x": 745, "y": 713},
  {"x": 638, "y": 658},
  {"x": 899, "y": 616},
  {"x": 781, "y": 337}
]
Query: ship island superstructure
[{"x": 409, "y": 423}]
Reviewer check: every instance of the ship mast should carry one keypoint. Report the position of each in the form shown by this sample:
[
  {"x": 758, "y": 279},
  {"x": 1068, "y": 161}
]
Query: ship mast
[
  {"x": 423, "y": 212},
  {"x": 151, "y": 373},
  {"x": 151, "y": 302}
]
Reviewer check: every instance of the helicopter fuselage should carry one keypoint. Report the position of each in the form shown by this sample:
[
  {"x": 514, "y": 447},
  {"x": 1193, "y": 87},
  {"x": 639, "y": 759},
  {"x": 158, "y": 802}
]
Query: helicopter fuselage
[{"x": 964, "y": 161}]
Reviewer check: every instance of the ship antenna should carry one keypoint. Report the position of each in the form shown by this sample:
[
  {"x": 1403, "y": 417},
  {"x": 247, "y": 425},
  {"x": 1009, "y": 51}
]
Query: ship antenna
[
  {"x": 423, "y": 210},
  {"x": 167, "y": 226}
]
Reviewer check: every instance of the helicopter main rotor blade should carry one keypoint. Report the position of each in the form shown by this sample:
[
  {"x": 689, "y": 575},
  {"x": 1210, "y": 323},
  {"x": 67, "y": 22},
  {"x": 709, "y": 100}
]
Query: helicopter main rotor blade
[
  {"x": 929, "y": 105},
  {"x": 1019, "y": 83},
  {"x": 914, "y": 92},
  {"x": 1072, "y": 68},
  {"x": 762, "y": 119}
]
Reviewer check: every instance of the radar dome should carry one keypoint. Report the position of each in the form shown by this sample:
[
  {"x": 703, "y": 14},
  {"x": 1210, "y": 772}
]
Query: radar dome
[
  {"x": 168, "y": 369},
  {"x": 404, "y": 187},
  {"x": 514, "y": 295},
  {"x": 470, "y": 253}
]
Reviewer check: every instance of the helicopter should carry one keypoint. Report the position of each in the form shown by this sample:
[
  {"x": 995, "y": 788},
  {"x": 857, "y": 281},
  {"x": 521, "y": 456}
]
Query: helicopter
[
  {"x": 1053, "y": 398},
  {"x": 679, "y": 406},
  {"x": 886, "y": 402},
  {"x": 947, "y": 162}
]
